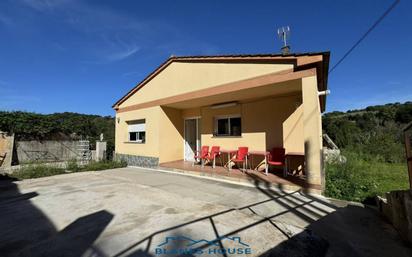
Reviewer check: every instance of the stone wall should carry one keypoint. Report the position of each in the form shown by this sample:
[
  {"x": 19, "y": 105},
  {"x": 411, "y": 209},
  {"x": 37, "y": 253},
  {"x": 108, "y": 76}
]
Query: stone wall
[
  {"x": 140, "y": 161},
  {"x": 46, "y": 151},
  {"x": 397, "y": 208}
]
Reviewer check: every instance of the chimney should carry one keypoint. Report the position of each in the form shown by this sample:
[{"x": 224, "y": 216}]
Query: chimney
[{"x": 285, "y": 50}]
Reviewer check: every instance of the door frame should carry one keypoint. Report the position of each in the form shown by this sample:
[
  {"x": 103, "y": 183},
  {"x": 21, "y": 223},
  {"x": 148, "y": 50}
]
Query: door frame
[{"x": 198, "y": 136}]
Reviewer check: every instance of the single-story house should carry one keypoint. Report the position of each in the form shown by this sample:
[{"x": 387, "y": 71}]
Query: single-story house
[{"x": 259, "y": 101}]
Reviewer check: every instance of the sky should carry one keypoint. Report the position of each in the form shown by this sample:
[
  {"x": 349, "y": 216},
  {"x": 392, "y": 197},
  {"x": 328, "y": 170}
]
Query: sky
[{"x": 82, "y": 56}]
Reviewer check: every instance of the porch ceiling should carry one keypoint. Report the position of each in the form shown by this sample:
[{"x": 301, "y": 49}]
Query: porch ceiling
[
  {"x": 243, "y": 95},
  {"x": 270, "y": 85}
]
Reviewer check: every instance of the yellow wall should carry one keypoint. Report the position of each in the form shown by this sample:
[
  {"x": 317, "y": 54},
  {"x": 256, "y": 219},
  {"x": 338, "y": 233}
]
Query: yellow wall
[
  {"x": 312, "y": 128},
  {"x": 171, "y": 135},
  {"x": 151, "y": 147},
  {"x": 198, "y": 76},
  {"x": 274, "y": 122}
]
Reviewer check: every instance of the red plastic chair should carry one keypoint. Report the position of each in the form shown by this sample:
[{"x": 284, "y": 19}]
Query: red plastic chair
[
  {"x": 202, "y": 155},
  {"x": 214, "y": 153},
  {"x": 241, "y": 157},
  {"x": 277, "y": 158}
]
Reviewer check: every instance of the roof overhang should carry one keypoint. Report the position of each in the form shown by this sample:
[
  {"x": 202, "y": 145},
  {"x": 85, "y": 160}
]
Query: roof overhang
[{"x": 307, "y": 63}]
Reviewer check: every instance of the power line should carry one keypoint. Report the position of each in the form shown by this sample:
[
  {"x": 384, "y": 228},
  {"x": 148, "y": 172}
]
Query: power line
[{"x": 366, "y": 34}]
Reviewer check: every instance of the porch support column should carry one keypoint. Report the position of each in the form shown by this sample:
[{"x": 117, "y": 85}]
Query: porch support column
[{"x": 312, "y": 132}]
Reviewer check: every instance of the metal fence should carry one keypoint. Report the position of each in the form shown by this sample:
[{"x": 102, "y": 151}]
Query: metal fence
[{"x": 407, "y": 131}]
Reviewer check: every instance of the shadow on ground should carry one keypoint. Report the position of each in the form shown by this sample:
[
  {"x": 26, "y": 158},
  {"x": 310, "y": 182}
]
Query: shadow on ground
[
  {"x": 334, "y": 229},
  {"x": 26, "y": 231}
]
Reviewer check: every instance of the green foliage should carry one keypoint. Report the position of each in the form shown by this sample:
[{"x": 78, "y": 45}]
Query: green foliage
[
  {"x": 373, "y": 133},
  {"x": 358, "y": 179},
  {"x": 43, "y": 170},
  {"x": 37, "y": 171},
  {"x": 34, "y": 126},
  {"x": 73, "y": 166},
  {"x": 104, "y": 165},
  {"x": 371, "y": 140}
]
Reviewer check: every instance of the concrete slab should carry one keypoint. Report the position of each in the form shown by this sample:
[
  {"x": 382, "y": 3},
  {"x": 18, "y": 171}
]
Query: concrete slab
[{"x": 139, "y": 212}]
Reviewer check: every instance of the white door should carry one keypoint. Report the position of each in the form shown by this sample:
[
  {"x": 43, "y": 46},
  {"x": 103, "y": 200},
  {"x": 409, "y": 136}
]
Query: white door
[{"x": 192, "y": 138}]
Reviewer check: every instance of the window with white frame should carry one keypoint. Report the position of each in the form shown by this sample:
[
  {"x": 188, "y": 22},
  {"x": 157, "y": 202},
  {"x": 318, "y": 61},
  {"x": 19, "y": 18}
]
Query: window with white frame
[
  {"x": 137, "y": 131},
  {"x": 228, "y": 126}
]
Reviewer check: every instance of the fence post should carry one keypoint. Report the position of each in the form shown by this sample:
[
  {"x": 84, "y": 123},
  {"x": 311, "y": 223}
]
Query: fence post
[{"x": 408, "y": 152}]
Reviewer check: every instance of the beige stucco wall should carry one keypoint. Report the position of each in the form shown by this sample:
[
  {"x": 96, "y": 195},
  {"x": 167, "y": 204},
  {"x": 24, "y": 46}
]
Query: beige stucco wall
[
  {"x": 274, "y": 122},
  {"x": 198, "y": 76},
  {"x": 170, "y": 135},
  {"x": 291, "y": 121},
  {"x": 164, "y": 133},
  {"x": 151, "y": 147},
  {"x": 312, "y": 131}
]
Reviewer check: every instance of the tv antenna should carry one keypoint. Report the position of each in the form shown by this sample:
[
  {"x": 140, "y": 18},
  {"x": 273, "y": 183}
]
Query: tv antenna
[{"x": 284, "y": 34}]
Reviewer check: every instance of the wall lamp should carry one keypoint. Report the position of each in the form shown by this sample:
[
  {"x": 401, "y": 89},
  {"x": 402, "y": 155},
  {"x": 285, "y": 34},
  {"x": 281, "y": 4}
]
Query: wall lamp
[{"x": 326, "y": 92}]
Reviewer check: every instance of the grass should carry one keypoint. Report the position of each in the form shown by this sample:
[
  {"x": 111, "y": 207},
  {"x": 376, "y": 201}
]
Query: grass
[
  {"x": 43, "y": 170},
  {"x": 94, "y": 166},
  {"x": 37, "y": 171},
  {"x": 359, "y": 179}
]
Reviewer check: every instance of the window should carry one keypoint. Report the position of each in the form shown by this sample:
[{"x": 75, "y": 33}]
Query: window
[
  {"x": 137, "y": 131},
  {"x": 228, "y": 126}
]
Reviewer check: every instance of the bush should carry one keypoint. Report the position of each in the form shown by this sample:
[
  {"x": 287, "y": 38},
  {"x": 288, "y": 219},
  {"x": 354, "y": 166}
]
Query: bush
[
  {"x": 37, "y": 171},
  {"x": 73, "y": 166},
  {"x": 359, "y": 179},
  {"x": 103, "y": 165},
  {"x": 42, "y": 170}
]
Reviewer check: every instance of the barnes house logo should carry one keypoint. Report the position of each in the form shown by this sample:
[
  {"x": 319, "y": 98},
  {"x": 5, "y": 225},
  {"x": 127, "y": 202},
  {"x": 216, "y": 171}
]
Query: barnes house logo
[{"x": 185, "y": 245}]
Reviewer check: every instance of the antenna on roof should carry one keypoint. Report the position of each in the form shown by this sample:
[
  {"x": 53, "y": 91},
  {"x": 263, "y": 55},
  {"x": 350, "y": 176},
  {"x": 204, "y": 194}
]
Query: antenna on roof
[{"x": 284, "y": 34}]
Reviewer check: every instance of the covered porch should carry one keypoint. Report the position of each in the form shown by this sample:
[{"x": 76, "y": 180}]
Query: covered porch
[
  {"x": 249, "y": 176},
  {"x": 279, "y": 110}
]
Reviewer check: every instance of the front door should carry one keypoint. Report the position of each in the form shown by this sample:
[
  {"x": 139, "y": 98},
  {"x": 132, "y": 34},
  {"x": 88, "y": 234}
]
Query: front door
[{"x": 192, "y": 138}]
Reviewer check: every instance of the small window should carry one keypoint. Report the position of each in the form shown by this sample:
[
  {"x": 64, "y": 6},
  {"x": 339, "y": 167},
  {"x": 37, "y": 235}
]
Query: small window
[
  {"x": 228, "y": 126},
  {"x": 137, "y": 131}
]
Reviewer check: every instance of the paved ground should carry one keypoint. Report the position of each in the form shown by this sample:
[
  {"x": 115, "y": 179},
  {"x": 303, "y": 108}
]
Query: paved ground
[{"x": 133, "y": 212}]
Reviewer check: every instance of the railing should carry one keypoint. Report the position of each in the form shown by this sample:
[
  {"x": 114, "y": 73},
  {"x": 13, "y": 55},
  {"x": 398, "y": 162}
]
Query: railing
[{"x": 407, "y": 131}]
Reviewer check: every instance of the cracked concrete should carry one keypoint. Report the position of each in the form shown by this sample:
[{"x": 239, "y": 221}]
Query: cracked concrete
[{"x": 130, "y": 211}]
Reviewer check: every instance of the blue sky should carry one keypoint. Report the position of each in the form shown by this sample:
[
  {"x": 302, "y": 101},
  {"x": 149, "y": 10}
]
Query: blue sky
[{"x": 81, "y": 56}]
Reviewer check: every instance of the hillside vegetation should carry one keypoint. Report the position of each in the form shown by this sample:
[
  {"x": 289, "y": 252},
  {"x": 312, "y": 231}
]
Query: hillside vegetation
[
  {"x": 372, "y": 141},
  {"x": 58, "y": 126}
]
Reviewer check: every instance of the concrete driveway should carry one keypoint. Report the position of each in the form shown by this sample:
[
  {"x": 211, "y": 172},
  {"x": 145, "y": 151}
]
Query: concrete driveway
[{"x": 138, "y": 212}]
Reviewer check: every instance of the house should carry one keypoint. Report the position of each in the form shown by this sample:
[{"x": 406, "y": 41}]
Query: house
[{"x": 258, "y": 101}]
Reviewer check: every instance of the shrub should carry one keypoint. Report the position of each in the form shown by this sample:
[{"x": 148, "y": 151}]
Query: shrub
[
  {"x": 43, "y": 170},
  {"x": 359, "y": 179},
  {"x": 73, "y": 166},
  {"x": 104, "y": 165},
  {"x": 37, "y": 171}
]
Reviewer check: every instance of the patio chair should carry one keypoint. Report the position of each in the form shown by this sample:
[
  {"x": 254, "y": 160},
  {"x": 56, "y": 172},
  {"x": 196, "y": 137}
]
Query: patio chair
[
  {"x": 202, "y": 155},
  {"x": 214, "y": 153},
  {"x": 241, "y": 157},
  {"x": 277, "y": 158}
]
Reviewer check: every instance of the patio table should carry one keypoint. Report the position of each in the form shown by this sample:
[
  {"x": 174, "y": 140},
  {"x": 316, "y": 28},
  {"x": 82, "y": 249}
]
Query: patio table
[
  {"x": 229, "y": 153},
  {"x": 287, "y": 156},
  {"x": 261, "y": 153}
]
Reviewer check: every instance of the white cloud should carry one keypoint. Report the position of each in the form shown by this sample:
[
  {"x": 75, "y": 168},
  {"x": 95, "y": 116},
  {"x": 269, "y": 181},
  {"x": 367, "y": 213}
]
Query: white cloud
[
  {"x": 108, "y": 35},
  {"x": 46, "y": 5},
  {"x": 122, "y": 54}
]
